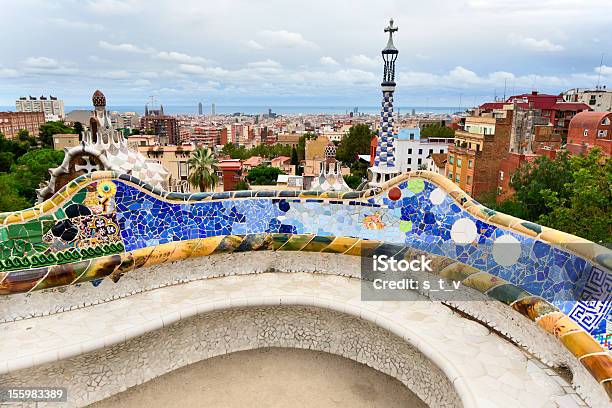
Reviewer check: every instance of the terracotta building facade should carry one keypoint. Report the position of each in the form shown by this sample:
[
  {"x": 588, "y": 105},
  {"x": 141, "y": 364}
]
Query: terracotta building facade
[
  {"x": 474, "y": 159},
  {"x": 588, "y": 130},
  {"x": 12, "y": 122}
]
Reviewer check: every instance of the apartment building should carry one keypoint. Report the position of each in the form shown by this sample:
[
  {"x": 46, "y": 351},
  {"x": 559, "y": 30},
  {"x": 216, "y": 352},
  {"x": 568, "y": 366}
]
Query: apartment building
[
  {"x": 12, "y": 122},
  {"x": 599, "y": 99},
  {"x": 588, "y": 130},
  {"x": 52, "y": 107},
  {"x": 473, "y": 160}
]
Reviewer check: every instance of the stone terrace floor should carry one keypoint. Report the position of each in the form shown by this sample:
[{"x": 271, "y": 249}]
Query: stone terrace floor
[{"x": 486, "y": 369}]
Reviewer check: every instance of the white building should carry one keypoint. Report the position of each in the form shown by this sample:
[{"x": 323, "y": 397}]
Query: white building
[
  {"x": 52, "y": 107},
  {"x": 599, "y": 99},
  {"x": 436, "y": 163},
  {"x": 411, "y": 151}
]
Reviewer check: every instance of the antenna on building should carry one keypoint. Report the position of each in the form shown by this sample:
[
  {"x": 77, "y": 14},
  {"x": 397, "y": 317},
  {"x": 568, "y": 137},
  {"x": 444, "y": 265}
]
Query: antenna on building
[
  {"x": 600, "y": 67},
  {"x": 505, "y": 83}
]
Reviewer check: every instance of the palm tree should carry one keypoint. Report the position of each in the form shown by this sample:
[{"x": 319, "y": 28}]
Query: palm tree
[{"x": 203, "y": 167}]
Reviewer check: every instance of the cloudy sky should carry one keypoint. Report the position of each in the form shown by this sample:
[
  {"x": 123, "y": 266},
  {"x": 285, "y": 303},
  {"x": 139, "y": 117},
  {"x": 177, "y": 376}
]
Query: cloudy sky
[{"x": 286, "y": 52}]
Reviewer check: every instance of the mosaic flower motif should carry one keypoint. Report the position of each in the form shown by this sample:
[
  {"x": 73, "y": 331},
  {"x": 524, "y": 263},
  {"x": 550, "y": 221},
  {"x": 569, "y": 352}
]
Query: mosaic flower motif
[
  {"x": 107, "y": 189},
  {"x": 373, "y": 222}
]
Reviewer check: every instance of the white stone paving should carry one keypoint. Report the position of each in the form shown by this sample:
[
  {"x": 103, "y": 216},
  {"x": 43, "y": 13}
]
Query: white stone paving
[{"x": 486, "y": 370}]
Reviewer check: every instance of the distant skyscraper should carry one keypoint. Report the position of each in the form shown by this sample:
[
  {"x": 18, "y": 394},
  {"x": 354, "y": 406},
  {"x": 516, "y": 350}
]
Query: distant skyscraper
[
  {"x": 212, "y": 110},
  {"x": 52, "y": 107},
  {"x": 384, "y": 162},
  {"x": 200, "y": 108}
]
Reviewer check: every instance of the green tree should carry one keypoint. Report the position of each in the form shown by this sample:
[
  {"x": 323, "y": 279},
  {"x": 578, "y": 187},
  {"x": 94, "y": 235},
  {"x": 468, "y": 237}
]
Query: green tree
[
  {"x": 352, "y": 181},
  {"x": 530, "y": 180},
  {"x": 78, "y": 128},
  {"x": 6, "y": 161},
  {"x": 242, "y": 185},
  {"x": 437, "y": 130},
  {"x": 584, "y": 205},
  {"x": 32, "y": 168},
  {"x": 48, "y": 129},
  {"x": 203, "y": 167},
  {"x": 294, "y": 157},
  {"x": 301, "y": 147},
  {"x": 356, "y": 142},
  {"x": 10, "y": 200},
  {"x": 263, "y": 175},
  {"x": 135, "y": 131},
  {"x": 17, "y": 146}
]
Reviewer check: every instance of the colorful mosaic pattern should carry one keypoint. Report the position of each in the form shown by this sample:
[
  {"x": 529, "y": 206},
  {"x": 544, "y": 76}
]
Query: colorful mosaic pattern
[
  {"x": 385, "y": 149},
  {"x": 105, "y": 224}
]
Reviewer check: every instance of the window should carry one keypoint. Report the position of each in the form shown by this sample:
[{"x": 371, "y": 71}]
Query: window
[
  {"x": 592, "y": 100},
  {"x": 470, "y": 164},
  {"x": 457, "y": 178},
  {"x": 412, "y": 136},
  {"x": 605, "y": 122},
  {"x": 420, "y": 161},
  {"x": 469, "y": 179},
  {"x": 441, "y": 150},
  {"x": 451, "y": 159},
  {"x": 409, "y": 151},
  {"x": 450, "y": 175},
  {"x": 183, "y": 169},
  {"x": 458, "y": 162},
  {"x": 501, "y": 175},
  {"x": 602, "y": 133},
  {"x": 410, "y": 160},
  {"x": 420, "y": 151},
  {"x": 586, "y": 132},
  {"x": 430, "y": 151}
]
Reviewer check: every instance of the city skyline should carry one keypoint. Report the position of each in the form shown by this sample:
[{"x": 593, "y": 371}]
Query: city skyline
[{"x": 238, "y": 53}]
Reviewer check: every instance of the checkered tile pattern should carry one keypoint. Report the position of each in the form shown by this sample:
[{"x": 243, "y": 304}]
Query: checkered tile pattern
[{"x": 385, "y": 150}]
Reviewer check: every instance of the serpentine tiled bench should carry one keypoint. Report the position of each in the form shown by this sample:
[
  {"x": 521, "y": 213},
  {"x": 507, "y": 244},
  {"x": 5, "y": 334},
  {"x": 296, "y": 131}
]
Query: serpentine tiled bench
[{"x": 104, "y": 225}]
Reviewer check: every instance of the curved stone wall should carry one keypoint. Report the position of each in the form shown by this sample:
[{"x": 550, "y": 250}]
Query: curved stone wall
[
  {"x": 102, "y": 373},
  {"x": 100, "y": 350},
  {"x": 105, "y": 225}
]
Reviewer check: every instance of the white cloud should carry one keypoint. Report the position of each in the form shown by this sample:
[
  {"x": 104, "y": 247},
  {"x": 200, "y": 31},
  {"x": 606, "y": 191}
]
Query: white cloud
[
  {"x": 464, "y": 78},
  {"x": 112, "y": 6},
  {"x": 119, "y": 74},
  {"x": 328, "y": 61},
  {"x": 8, "y": 73},
  {"x": 193, "y": 69},
  {"x": 264, "y": 64},
  {"x": 255, "y": 45},
  {"x": 125, "y": 47},
  {"x": 76, "y": 24},
  {"x": 363, "y": 61},
  {"x": 605, "y": 70},
  {"x": 180, "y": 57},
  {"x": 284, "y": 38},
  {"x": 141, "y": 82},
  {"x": 96, "y": 59},
  {"x": 41, "y": 62},
  {"x": 46, "y": 66},
  {"x": 533, "y": 44},
  {"x": 422, "y": 57}
]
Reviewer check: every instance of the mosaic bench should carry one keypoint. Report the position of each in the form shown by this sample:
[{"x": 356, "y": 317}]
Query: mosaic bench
[{"x": 103, "y": 225}]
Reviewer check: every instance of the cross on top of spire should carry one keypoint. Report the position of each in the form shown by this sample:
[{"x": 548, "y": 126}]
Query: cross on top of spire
[{"x": 390, "y": 29}]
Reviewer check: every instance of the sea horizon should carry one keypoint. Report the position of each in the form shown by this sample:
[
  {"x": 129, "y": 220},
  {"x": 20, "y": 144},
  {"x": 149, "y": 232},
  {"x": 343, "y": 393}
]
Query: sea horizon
[{"x": 262, "y": 109}]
